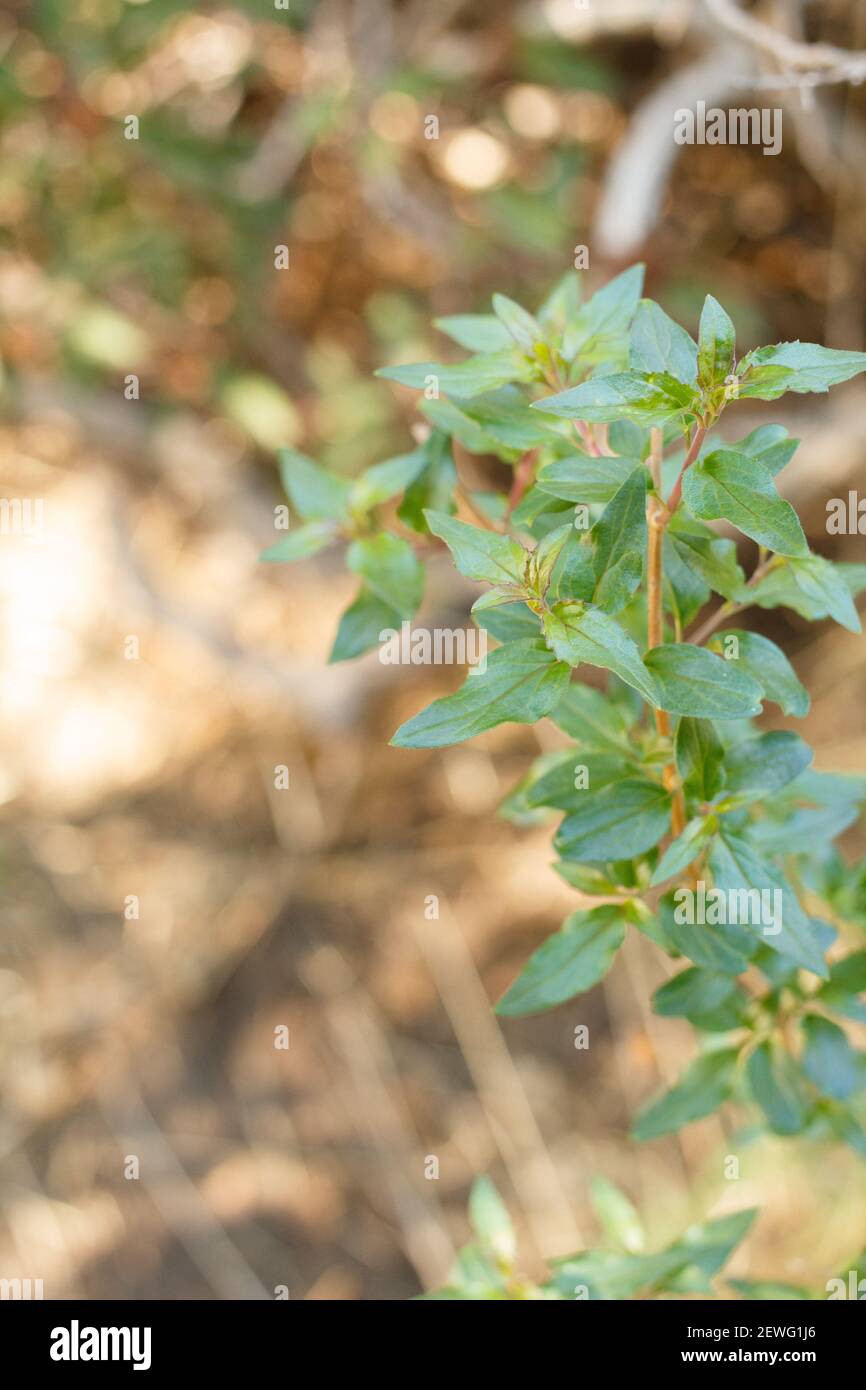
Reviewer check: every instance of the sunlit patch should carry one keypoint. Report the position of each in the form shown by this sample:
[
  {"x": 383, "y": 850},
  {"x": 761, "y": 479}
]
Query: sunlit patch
[{"x": 475, "y": 159}]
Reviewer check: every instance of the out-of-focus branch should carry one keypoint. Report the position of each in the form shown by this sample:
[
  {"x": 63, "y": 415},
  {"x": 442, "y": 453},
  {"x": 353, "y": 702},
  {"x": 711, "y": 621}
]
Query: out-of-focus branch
[
  {"x": 741, "y": 45},
  {"x": 835, "y": 64},
  {"x": 638, "y": 172}
]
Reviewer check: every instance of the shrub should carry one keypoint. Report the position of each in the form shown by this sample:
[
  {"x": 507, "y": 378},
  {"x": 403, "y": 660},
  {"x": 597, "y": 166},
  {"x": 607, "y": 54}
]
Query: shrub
[{"x": 681, "y": 818}]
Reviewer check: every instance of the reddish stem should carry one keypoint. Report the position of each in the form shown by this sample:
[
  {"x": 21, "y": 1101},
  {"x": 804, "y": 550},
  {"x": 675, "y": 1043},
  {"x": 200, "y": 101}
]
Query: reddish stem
[
  {"x": 523, "y": 475},
  {"x": 698, "y": 438}
]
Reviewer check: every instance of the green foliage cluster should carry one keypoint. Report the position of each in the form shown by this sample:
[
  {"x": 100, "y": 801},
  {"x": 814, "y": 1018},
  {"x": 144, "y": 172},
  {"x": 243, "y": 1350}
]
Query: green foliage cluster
[
  {"x": 621, "y": 1267},
  {"x": 603, "y": 553}
]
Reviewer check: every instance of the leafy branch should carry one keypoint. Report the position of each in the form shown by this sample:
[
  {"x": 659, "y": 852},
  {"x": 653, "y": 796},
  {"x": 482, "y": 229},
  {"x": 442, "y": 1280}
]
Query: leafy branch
[{"x": 678, "y": 817}]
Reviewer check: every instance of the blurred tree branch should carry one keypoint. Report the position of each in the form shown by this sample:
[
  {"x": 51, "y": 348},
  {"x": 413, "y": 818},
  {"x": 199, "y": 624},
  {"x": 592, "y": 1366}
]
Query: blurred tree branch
[{"x": 804, "y": 64}]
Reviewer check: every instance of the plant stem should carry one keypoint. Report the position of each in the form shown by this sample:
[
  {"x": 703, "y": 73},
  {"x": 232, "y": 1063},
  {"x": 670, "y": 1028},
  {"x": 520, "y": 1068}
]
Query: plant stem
[
  {"x": 658, "y": 517},
  {"x": 587, "y": 437},
  {"x": 553, "y": 377},
  {"x": 706, "y": 629},
  {"x": 523, "y": 476},
  {"x": 728, "y": 609},
  {"x": 698, "y": 438},
  {"x": 468, "y": 501}
]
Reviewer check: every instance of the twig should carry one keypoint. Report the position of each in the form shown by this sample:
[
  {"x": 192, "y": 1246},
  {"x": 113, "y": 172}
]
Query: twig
[
  {"x": 658, "y": 517},
  {"x": 523, "y": 475},
  {"x": 728, "y": 609},
  {"x": 791, "y": 53},
  {"x": 471, "y": 505},
  {"x": 694, "y": 449}
]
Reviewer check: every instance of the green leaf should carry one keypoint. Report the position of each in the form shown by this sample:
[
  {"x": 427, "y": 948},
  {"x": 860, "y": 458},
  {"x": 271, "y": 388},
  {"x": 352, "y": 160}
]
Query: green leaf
[
  {"x": 829, "y": 1060},
  {"x": 685, "y": 593},
  {"x": 315, "y": 494},
  {"x": 476, "y": 1275},
  {"x": 618, "y": 541},
  {"x": 450, "y": 1293},
  {"x": 849, "y": 1129},
  {"x": 523, "y": 682},
  {"x": 812, "y": 586},
  {"x": 683, "y": 850},
  {"x": 570, "y": 962},
  {"x": 556, "y": 786},
  {"x": 685, "y": 1266},
  {"x": 520, "y": 325},
  {"x": 361, "y": 626},
  {"x": 701, "y": 1089},
  {"x": 538, "y": 509},
  {"x": 777, "y": 1087},
  {"x": 801, "y": 828},
  {"x": 500, "y": 596},
  {"x": 693, "y": 992},
  {"x": 761, "y": 383},
  {"x": 509, "y": 623},
  {"x": 699, "y": 758},
  {"x": 562, "y": 305},
  {"x": 433, "y": 487},
  {"x": 764, "y": 1290},
  {"x": 487, "y": 556},
  {"x": 597, "y": 880},
  {"x": 304, "y": 541},
  {"x": 781, "y": 970},
  {"x": 658, "y": 344},
  {"x": 767, "y": 664},
  {"x": 628, "y": 439},
  {"x": 450, "y": 419},
  {"x": 743, "y": 875},
  {"x": 546, "y": 555},
  {"x": 472, "y": 377},
  {"x": 573, "y": 576},
  {"x": 475, "y": 332},
  {"x": 612, "y": 1275},
  {"x": 580, "y": 478},
  {"x": 852, "y": 576},
  {"x": 390, "y": 569},
  {"x": 726, "y": 949},
  {"x": 696, "y": 682},
  {"x": 768, "y": 445},
  {"x": 811, "y": 367},
  {"x": 490, "y": 1221},
  {"x": 578, "y": 633},
  {"x": 591, "y": 719},
  {"x": 617, "y": 821},
  {"x": 733, "y": 487},
  {"x": 716, "y": 341},
  {"x": 505, "y": 417},
  {"x": 617, "y": 1215},
  {"x": 712, "y": 558},
  {"x": 515, "y": 806},
  {"x": 757, "y": 767},
  {"x": 648, "y": 399},
  {"x": 385, "y": 480},
  {"x": 602, "y": 322},
  {"x": 847, "y": 982},
  {"x": 706, "y": 1248}
]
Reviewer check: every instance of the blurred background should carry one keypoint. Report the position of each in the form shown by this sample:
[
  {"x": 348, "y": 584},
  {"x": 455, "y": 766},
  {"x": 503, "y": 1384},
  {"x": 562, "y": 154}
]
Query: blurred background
[{"x": 165, "y": 907}]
